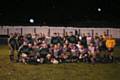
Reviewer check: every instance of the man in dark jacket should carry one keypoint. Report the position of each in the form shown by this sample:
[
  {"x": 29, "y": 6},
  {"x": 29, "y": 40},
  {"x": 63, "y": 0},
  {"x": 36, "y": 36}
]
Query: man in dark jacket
[
  {"x": 13, "y": 45},
  {"x": 72, "y": 38}
]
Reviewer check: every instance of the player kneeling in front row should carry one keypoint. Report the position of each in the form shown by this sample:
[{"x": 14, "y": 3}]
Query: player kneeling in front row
[
  {"x": 83, "y": 54},
  {"x": 44, "y": 51},
  {"x": 25, "y": 50},
  {"x": 92, "y": 52}
]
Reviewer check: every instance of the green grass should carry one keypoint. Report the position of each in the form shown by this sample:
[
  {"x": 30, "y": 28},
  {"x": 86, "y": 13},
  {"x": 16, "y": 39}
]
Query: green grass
[{"x": 71, "y": 71}]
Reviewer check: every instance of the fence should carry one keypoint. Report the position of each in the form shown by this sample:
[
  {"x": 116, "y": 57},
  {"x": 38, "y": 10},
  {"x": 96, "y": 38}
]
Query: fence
[{"x": 48, "y": 31}]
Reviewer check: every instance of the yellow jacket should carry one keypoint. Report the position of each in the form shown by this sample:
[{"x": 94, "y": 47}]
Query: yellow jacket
[{"x": 110, "y": 43}]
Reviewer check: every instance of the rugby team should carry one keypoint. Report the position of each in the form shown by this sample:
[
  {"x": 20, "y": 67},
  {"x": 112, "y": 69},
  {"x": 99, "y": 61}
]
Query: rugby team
[{"x": 66, "y": 48}]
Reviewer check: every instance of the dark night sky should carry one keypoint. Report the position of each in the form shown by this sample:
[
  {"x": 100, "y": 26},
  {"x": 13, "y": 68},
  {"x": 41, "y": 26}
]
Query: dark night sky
[{"x": 58, "y": 11}]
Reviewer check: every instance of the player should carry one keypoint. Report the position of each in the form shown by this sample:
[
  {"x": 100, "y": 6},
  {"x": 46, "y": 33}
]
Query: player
[
  {"x": 72, "y": 38},
  {"x": 55, "y": 39},
  {"x": 12, "y": 43},
  {"x": 92, "y": 52},
  {"x": 110, "y": 44}
]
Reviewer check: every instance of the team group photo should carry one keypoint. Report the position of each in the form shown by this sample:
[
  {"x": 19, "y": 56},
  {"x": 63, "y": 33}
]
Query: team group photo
[{"x": 59, "y": 39}]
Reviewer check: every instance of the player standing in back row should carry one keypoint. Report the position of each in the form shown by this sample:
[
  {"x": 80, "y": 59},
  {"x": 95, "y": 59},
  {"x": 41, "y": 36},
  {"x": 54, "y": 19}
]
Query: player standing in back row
[{"x": 110, "y": 44}]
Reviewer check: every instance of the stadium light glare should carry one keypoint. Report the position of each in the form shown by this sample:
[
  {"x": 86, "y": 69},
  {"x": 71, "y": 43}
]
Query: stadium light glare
[
  {"x": 99, "y": 9},
  {"x": 31, "y": 20}
]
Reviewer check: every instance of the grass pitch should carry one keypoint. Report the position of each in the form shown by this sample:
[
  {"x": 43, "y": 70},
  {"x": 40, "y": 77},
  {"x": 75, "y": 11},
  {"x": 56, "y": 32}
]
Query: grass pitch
[{"x": 71, "y": 71}]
